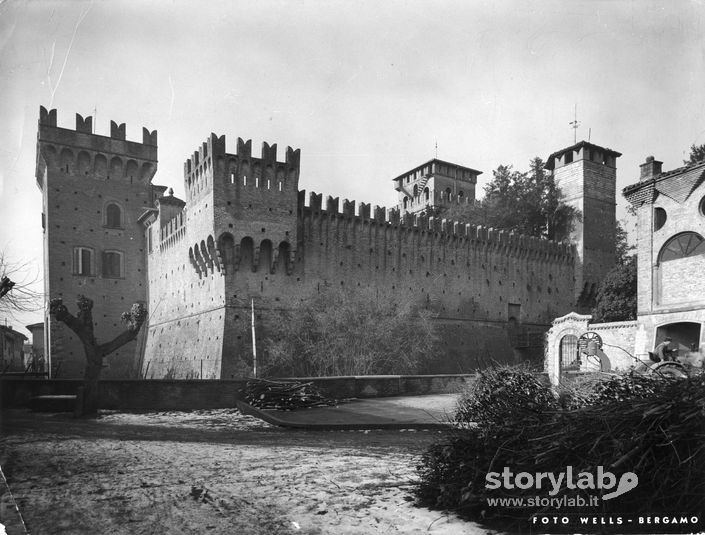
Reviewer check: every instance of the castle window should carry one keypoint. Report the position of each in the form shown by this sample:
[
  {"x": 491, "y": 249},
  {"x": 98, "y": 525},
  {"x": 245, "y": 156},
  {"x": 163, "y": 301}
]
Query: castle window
[
  {"x": 83, "y": 261},
  {"x": 406, "y": 202},
  {"x": 426, "y": 194},
  {"x": 113, "y": 265},
  {"x": 416, "y": 190},
  {"x": 113, "y": 215}
]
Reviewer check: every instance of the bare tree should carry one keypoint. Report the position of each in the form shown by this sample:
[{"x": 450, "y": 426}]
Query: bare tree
[
  {"x": 16, "y": 294},
  {"x": 82, "y": 326}
]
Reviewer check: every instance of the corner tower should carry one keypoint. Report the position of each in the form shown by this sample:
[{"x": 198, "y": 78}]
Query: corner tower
[
  {"x": 435, "y": 184},
  {"x": 94, "y": 189},
  {"x": 586, "y": 175}
]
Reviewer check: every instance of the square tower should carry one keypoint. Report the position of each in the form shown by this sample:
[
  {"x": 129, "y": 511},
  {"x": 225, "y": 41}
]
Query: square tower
[
  {"x": 435, "y": 184},
  {"x": 586, "y": 175},
  {"x": 94, "y": 189}
]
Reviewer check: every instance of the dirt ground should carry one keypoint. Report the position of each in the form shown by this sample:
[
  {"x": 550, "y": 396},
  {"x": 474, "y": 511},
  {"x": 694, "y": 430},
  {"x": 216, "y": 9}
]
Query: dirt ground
[{"x": 212, "y": 472}]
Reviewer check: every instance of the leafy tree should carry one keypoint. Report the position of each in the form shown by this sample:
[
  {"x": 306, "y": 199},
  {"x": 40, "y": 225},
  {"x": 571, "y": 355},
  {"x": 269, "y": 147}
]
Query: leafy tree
[
  {"x": 82, "y": 326},
  {"x": 524, "y": 202},
  {"x": 623, "y": 251},
  {"x": 348, "y": 333},
  {"x": 16, "y": 294},
  {"x": 616, "y": 298},
  {"x": 697, "y": 154}
]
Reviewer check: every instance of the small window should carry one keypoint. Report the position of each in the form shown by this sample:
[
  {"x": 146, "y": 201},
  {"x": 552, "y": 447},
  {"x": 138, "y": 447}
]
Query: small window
[
  {"x": 113, "y": 216},
  {"x": 659, "y": 218},
  {"x": 416, "y": 190},
  {"x": 83, "y": 261},
  {"x": 702, "y": 206},
  {"x": 113, "y": 265}
]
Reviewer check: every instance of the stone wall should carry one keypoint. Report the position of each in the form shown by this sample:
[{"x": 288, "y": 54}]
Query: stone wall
[
  {"x": 619, "y": 340},
  {"x": 212, "y": 394}
]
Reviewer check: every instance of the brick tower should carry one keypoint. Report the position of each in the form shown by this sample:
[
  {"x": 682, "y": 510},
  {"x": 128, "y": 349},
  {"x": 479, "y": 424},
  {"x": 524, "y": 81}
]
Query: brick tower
[
  {"x": 434, "y": 184},
  {"x": 587, "y": 174},
  {"x": 94, "y": 189}
]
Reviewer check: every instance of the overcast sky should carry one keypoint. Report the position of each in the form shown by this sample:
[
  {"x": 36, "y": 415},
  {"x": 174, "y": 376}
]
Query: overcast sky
[{"x": 364, "y": 88}]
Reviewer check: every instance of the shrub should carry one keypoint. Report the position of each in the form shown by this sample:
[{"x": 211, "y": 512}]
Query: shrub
[
  {"x": 653, "y": 427},
  {"x": 500, "y": 396}
]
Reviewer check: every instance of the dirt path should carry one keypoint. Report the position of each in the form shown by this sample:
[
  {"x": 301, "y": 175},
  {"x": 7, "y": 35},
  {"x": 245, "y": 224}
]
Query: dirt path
[{"x": 213, "y": 472}]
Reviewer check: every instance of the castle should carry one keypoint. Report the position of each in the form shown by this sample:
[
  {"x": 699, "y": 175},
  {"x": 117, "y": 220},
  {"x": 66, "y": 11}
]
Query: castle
[{"x": 246, "y": 233}]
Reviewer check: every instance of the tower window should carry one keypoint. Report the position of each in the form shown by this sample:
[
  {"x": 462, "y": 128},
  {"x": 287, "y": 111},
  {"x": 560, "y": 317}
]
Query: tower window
[
  {"x": 113, "y": 215},
  {"x": 113, "y": 265},
  {"x": 83, "y": 261}
]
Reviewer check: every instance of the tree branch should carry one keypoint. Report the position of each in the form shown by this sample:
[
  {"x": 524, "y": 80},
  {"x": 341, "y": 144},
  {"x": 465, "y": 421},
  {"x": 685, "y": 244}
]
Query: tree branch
[
  {"x": 117, "y": 342},
  {"x": 62, "y": 314}
]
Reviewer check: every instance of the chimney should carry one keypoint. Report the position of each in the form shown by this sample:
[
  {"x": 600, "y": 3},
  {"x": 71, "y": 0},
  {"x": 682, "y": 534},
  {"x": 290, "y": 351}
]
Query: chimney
[{"x": 650, "y": 168}]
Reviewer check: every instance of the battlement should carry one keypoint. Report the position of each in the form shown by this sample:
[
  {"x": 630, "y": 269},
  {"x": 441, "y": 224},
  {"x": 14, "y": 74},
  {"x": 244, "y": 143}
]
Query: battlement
[
  {"x": 266, "y": 172},
  {"x": 80, "y": 152},
  {"x": 83, "y": 137},
  {"x": 312, "y": 207},
  {"x": 172, "y": 231}
]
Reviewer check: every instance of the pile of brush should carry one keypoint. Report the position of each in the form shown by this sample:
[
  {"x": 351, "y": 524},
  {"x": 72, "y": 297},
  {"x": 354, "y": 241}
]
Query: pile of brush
[
  {"x": 653, "y": 427},
  {"x": 284, "y": 395}
]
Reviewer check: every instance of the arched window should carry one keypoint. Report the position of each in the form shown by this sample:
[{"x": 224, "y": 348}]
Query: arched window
[
  {"x": 113, "y": 215},
  {"x": 660, "y": 217},
  {"x": 682, "y": 246},
  {"x": 448, "y": 192},
  {"x": 426, "y": 194},
  {"x": 416, "y": 190},
  {"x": 406, "y": 202}
]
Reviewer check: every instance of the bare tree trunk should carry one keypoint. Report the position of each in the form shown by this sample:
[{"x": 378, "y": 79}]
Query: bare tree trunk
[
  {"x": 82, "y": 326},
  {"x": 91, "y": 400}
]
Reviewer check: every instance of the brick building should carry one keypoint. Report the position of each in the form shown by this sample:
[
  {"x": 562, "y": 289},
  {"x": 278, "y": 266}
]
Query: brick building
[
  {"x": 11, "y": 350},
  {"x": 245, "y": 232},
  {"x": 670, "y": 209},
  {"x": 94, "y": 189}
]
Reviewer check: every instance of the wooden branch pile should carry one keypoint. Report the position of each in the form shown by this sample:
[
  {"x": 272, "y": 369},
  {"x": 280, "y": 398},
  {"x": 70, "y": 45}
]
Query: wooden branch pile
[{"x": 284, "y": 395}]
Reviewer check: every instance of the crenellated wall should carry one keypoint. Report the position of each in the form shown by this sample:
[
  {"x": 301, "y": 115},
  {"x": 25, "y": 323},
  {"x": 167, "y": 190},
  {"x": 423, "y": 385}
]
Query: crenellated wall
[{"x": 249, "y": 235}]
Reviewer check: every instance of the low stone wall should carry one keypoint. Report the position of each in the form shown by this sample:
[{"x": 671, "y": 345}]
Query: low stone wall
[{"x": 213, "y": 394}]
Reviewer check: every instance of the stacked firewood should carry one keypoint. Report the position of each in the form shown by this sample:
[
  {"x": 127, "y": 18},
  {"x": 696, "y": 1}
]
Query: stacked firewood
[{"x": 284, "y": 395}]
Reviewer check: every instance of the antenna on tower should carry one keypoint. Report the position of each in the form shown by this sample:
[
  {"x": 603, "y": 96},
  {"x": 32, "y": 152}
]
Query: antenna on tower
[
  {"x": 436, "y": 149},
  {"x": 574, "y": 124}
]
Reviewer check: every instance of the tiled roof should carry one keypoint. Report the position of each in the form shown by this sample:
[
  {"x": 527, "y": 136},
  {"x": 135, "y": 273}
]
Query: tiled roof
[{"x": 677, "y": 184}]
